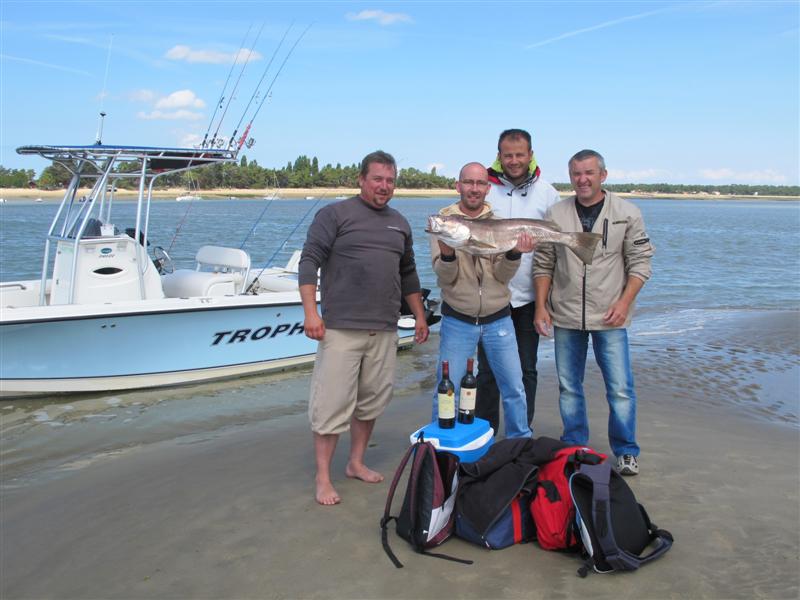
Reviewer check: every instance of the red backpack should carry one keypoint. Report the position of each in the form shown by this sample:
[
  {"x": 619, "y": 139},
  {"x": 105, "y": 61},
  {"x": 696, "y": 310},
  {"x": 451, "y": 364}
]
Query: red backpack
[{"x": 552, "y": 508}]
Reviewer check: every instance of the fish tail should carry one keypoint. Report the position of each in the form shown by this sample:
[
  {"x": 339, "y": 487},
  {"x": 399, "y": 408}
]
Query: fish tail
[{"x": 583, "y": 245}]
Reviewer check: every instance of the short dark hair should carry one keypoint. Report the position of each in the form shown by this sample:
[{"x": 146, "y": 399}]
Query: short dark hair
[
  {"x": 515, "y": 134},
  {"x": 585, "y": 154},
  {"x": 379, "y": 156}
]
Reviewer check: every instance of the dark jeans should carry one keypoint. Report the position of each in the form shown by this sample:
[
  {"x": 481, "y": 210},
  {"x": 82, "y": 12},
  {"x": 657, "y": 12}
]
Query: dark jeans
[{"x": 488, "y": 400}]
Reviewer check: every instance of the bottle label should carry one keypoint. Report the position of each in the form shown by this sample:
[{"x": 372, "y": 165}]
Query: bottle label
[
  {"x": 467, "y": 399},
  {"x": 447, "y": 406}
]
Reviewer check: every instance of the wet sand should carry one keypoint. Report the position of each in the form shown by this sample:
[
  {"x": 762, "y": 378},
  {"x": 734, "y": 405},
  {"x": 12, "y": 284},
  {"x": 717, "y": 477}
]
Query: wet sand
[{"x": 207, "y": 492}]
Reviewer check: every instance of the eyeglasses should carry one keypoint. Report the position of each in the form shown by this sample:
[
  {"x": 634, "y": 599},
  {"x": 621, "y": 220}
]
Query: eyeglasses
[{"x": 482, "y": 183}]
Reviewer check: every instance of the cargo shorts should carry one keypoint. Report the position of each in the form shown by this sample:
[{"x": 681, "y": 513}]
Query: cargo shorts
[{"x": 353, "y": 377}]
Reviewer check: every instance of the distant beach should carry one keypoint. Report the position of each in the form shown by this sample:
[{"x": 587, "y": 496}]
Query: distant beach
[{"x": 11, "y": 194}]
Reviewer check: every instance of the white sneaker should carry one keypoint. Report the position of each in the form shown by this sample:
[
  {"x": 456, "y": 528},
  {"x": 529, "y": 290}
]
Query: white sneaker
[{"x": 627, "y": 464}]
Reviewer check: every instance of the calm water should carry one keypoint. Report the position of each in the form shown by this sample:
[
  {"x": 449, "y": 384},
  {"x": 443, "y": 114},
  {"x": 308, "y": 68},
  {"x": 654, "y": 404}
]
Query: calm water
[
  {"x": 709, "y": 255},
  {"x": 716, "y": 264}
]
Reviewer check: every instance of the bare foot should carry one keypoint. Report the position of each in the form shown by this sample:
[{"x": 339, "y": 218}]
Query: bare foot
[
  {"x": 363, "y": 473},
  {"x": 326, "y": 494}
]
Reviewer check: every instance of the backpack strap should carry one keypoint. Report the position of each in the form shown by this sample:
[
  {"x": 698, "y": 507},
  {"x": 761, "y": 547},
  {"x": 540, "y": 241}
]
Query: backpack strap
[
  {"x": 426, "y": 449},
  {"x": 618, "y": 558},
  {"x": 387, "y": 518},
  {"x": 663, "y": 539},
  {"x": 421, "y": 449}
]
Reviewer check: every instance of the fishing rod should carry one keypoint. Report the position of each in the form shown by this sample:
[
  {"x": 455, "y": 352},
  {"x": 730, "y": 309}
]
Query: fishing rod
[
  {"x": 236, "y": 85},
  {"x": 250, "y": 123},
  {"x": 225, "y": 87},
  {"x": 185, "y": 214},
  {"x": 263, "y": 212},
  {"x": 280, "y": 248},
  {"x": 260, "y": 81}
]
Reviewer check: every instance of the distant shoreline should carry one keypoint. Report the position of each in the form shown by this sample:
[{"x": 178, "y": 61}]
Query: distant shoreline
[{"x": 11, "y": 194}]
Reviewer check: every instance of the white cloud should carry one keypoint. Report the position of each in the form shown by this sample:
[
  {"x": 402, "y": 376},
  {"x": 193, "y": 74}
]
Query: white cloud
[
  {"x": 380, "y": 16},
  {"x": 213, "y": 57},
  {"x": 180, "y": 99},
  {"x": 191, "y": 140},
  {"x": 439, "y": 167},
  {"x": 142, "y": 95},
  {"x": 765, "y": 176},
  {"x": 176, "y": 115}
]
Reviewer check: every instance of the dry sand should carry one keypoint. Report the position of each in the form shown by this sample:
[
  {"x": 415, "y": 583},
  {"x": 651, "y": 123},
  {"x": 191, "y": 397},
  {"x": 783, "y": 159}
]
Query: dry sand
[{"x": 179, "y": 503}]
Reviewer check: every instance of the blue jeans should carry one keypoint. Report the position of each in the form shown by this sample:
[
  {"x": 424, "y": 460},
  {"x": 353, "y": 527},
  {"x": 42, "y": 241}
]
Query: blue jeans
[
  {"x": 457, "y": 343},
  {"x": 613, "y": 358},
  {"x": 488, "y": 405}
]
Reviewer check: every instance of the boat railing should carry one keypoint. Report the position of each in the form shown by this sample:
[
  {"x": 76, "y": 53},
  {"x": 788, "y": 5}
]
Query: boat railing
[{"x": 108, "y": 164}]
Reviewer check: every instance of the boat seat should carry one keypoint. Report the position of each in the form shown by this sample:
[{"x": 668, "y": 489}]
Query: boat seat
[
  {"x": 220, "y": 271},
  {"x": 184, "y": 283},
  {"x": 275, "y": 280}
]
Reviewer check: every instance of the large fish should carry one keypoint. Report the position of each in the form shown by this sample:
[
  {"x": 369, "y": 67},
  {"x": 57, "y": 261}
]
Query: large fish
[{"x": 494, "y": 236}]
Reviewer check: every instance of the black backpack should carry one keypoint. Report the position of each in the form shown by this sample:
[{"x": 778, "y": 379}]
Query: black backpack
[
  {"x": 427, "y": 517},
  {"x": 614, "y": 527}
]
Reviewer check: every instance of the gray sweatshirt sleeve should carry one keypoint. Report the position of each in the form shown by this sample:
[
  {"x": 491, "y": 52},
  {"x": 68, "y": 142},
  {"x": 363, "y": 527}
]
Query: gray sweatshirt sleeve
[
  {"x": 319, "y": 241},
  {"x": 409, "y": 279}
]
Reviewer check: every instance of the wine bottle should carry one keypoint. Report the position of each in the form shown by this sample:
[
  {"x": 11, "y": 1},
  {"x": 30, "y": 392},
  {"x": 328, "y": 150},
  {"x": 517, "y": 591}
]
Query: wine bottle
[
  {"x": 467, "y": 395},
  {"x": 446, "y": 399}
]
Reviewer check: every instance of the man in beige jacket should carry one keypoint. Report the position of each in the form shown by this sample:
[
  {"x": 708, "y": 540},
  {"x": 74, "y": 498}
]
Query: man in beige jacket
[
  {"x": 475, "y": 303},
  {"x": 596, "y": 301}
]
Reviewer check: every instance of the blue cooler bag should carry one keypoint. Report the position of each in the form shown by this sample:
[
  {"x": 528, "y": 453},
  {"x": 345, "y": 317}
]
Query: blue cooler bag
[
  {"x": 514, "y": 525},
  {"x": 468, "y": 442}
]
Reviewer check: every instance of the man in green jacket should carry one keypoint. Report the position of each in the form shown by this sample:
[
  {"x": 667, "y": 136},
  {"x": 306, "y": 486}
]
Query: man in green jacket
[{"x": 581, "y": 301}]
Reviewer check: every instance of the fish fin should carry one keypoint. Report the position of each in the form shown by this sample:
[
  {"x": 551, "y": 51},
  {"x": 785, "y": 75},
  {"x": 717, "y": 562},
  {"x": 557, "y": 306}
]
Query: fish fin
[
  {"x": 584, "y": 246},
  {"x": 481, "y": 244},
  {"x": 552, "y": 225}
]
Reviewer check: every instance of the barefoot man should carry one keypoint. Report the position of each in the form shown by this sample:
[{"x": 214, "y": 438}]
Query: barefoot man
[{"x": 364, "y": 251}]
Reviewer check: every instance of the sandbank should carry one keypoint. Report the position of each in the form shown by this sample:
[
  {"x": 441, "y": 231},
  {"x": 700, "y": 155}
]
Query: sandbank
[
  {"x": 12, "y": 194},
  {"x": 179, "y": 504}
]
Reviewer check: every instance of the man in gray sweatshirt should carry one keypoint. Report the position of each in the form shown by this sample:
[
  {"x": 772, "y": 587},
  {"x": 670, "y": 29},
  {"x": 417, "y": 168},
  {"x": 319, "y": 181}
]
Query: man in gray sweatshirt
[{"x": 364, "y": 251}]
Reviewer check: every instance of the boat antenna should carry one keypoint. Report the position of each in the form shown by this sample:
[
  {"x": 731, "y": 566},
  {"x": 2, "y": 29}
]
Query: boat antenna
[
  {"x": 236, "y": 85},
  {"x": 99, "y": 138},
  {"x": 225, "y": 87},
  {"x": 258, "y": 86},
  {"x": 266, "y": 94},
  {"x": 288, "y": 237}
]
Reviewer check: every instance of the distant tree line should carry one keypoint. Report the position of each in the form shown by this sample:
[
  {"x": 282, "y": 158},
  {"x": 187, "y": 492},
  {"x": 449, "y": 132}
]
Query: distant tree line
[
  {"x": 306, "y": 172},
  {"x": 16, "y": 178},
  {"x": 731, "y": 189}
]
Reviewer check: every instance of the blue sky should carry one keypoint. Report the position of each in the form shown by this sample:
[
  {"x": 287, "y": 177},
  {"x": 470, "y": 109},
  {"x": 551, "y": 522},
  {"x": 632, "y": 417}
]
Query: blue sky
[{"x": 682, "y": 92}]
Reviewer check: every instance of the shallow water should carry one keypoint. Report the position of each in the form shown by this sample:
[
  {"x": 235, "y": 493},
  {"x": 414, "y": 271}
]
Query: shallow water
[
  {"x": 709, "y": 254},
  {"x": 720, "y": 318}
]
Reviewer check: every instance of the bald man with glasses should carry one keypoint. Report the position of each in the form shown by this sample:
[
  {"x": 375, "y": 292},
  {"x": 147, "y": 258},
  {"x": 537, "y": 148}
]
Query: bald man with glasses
[{"x": 475, "y": 303}]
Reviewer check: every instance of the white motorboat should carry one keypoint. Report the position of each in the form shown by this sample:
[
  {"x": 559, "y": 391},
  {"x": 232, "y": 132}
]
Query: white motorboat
[
  {"x": 187, "y": 198},
  {"x": 104, "y": 315}
]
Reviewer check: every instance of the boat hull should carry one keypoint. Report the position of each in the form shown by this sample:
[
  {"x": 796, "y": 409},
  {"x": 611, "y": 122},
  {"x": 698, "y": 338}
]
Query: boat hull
[{"x": 180, "y": 341}]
